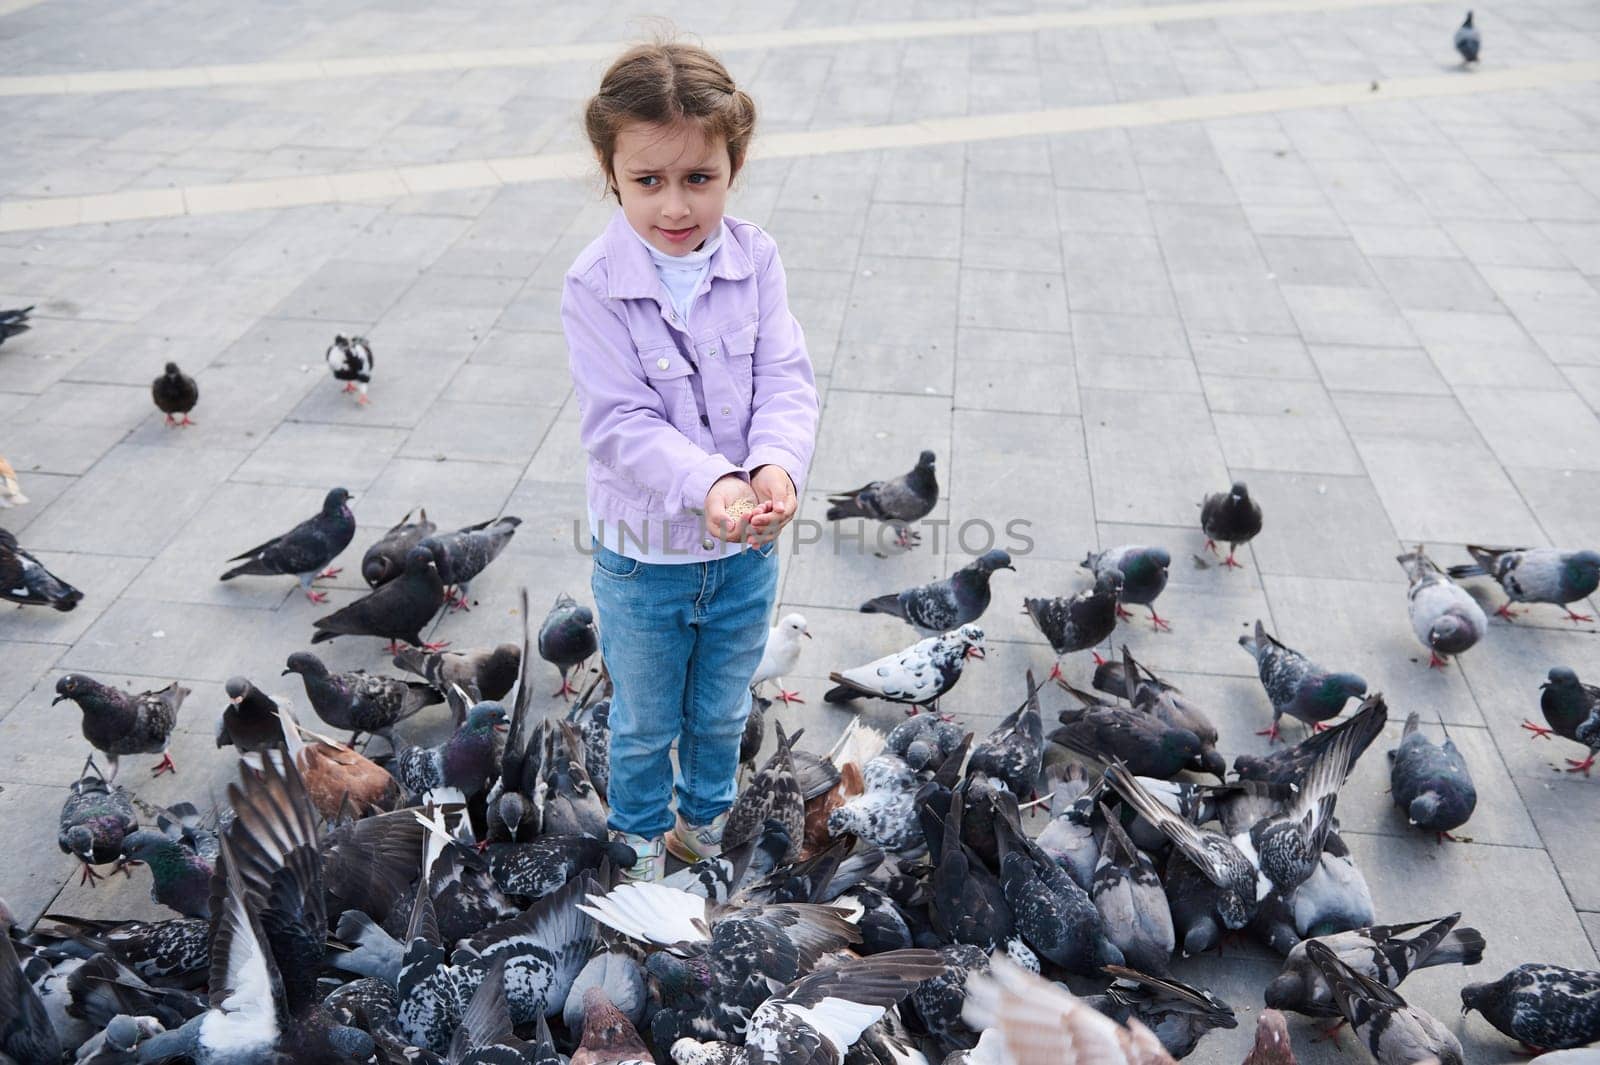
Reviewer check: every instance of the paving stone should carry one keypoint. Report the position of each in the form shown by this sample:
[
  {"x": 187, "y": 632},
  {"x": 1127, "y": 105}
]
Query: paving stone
[
  {"x": 1000, "y": 474},
  {"x": 1005, "y": 299},
  {"x": 1568, "y": 435},
  {"x": 1116, "y": 273},
  {"x": 1258, "y": 355},
  {"x": 1330, "y": 314},
  {"x": 1355, "y": 369},
  {"x": 25, "y": 664},
  {"x": 1318, "y": 261},
  {"x": 1284, "y": 425},
  {"x": 867, "y": 436},
  {"x": 1231, "y": 303},
  {"x": 478, "y": 433},
  {"x": 307, "y": 453},
  {"x": 1178, "y": 459},
  {"x": 1319, "y": 525},
  {"x": 926, "y": 368},
  {"x": 1446, "y": 492},
  {"x": 1564, "y": 501},
  {"x": 32, "y": 811},
  {"x": 1002, "y": 385}
]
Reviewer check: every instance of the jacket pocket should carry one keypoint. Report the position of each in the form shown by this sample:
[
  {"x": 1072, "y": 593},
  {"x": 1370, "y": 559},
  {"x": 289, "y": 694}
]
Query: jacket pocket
[
  {"x": 669, "y": 374},
  {"x": 739, "y": 349}
]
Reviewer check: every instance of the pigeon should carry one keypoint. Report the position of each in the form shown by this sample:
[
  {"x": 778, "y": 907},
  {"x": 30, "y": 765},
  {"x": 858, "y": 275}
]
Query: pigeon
[
  {"x": 1178, "y": 1013},
  {"x": 917, "y": 676},
  {"x": 1070, "y": 837},
  {"x": 94, "y": 820},
  {"x": 567, "y": 638},
  {"x": 27, "y": 1035},
  {"x": 1230, "y": 517},
  {"x": 25, "y": 581},
  {"x": 1040, "y": 1023},
  {"x": 970, "y": 904},
  {"x": 359, "y": 701},
  {"x": 944, "y": 604},
  {"x": 545, "y": 865},
  {"x": 618, "y": 976},
  {"x": 1079, "y": 622},
  {"x": 1144, "y": 575},
  {"x": 1288, "y": 765},
  {"x": 782, "y": 654},
  {"x": 1384, "y": 953},
  {"x": 1052, "y": 914},
  {"x": 466, "y": 761},
  {"x": 386, "y": 559},
  {"x": 1132, "y": 902},
  {"x": 118, "y": 722},
  {"x": 465, "y": 553},
  {"x": 571, "y": 804},
  {"x": 1468, "y": 41},
  {"x": 1149, "y": 746},
  {"x": 350, "y": 359},
  {"x": 489, "y": 673},
  {"x": 609, "y": 1035},
  {"x": 398, "y": 610},
  {"x": 118, "y": 1043},
  {"x": 818, "y": 1018},
  {"x": 1430, "y": 782},
  {"x": 14, "y": 323},
  {"x": 1572, "y": 710},
  {"x": 1272, "y": 1045},
  {"x": 1298, "y": 686},
  {"x": 774, "y": 794},
  {"x": 250, "y": 720},
  {"x": 885, "y": 814},
  {"x": 336, "y": 778},
  {"x": 172, "y": 953},
  {"x": 180, "y": 876},
  {"x": 1150, "y": 693},
  {"x": 175, "y": 392},
  {"x": 925, "y": 741},
  {"x": 1543, "y": 1007},
  {"x": 1393, "y": 1032},
  {"x": 10, "y": 488},
  {"x": 1445, "y": 618},
  {"x": 898, "y": 502},
  {"x": 1535, "y": 575},
  {"x": 1014, "y": 752},
  {"x": 304, "y": 550}
]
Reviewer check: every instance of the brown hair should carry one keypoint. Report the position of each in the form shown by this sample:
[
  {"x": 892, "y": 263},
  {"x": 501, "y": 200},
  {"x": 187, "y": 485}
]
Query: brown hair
[{"x": 663, "y": 83}]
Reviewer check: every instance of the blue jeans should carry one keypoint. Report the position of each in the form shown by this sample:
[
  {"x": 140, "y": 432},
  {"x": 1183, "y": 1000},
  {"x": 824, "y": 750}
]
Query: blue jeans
[{"x": 681, "y": 643}]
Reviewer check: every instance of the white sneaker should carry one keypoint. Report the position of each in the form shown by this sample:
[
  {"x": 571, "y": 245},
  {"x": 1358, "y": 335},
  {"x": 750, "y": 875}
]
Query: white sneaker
[
  {"x": 695, "y": 843},
  {"x": 650, "y": 865}
]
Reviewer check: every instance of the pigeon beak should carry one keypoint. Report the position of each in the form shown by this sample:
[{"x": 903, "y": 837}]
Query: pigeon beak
[
  {"x": 806, "y": 633},
  {"x": 57, "y": 699},
  {"x": 236, "y": 700},
  {"x": 286, "y": 672},
  {"x": 975, "y": 651}
]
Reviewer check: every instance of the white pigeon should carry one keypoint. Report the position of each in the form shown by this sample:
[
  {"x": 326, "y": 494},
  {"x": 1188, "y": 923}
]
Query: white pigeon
[
  {"x": 917, "y": 675},
  {"x": 782, "y": 654}
]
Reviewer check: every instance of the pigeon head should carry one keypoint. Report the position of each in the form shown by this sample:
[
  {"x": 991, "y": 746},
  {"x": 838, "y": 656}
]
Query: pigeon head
[
  {"x": 1108, "y": 584},
  {"x": 1239, "y": 493},
  {"x": 990, "y": 561},
  {"x": 1182, "y": 744},
  {"x": 1287, "y": 991},
  {"x": 971, "y": 638},
  {"x": 1211, "y": 761},
  {"x": 419, "y": 558},
  {"x": 172, "y": 369},
  {"x": 1451, "y": 634},
  {"x": 1560, "y": 678},
  {"x": 335, "y": 500},
  {"x": 157, "y": 849},
  {"x": 840, "y": 822},
  {"x": 1480, "y": 997},
  {"x": 74, "y": 686},
  {"x": 487, "y": 716},
  {"x": 123, "y": 1032},
  {"x": 512, "y": 809},
  {"x": 1424, "y": 808},
  {"x": 1338, "y": 687},
  {"x": 237, "y": 688},
  {"x": 1272, "y": 1037},
  {"x": 680, "y": 978},
  {"x": 794, "y": 625},
  {"x": 352, "y": 1043},
  {"x": 306, "y": 664},
  {"x": 80, "y": 841},
  {"x": 925, "y": 460}
]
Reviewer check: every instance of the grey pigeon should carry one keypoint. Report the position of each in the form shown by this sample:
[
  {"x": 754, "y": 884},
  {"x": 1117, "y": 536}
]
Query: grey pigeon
[
  {"x": 898, "y": 502},
  {"x": 1078, "y": 622},
  {"x": 1070, "y": 835},
  {"x": 1535, "y": 575},
  {"x": 1132, "y": 902},
  {"x": 14, "y": 323},
  {"x": 397, "y": 610},
  {"x": 250, "y": 720},
  {"x": 180, "y": 876},
  {"x": 925, "y": 741},
  {"x": 1288, "y": 765},
  {"x": 1144, "y": 575},
  {"x": 386, "y": 559},
  {"x": 1430, "y": 782},
  {"x": 1572, "y": 710},
  {"x": 1392, "y": 1031},
  {"x": 944, "y": 604},
  {"x": 24, "y": 579},
  {"x": 175, "y": 392},
  {"x": 1014, "y": 751},
  {"x": 1385, "y": 953},
  {"x": 773, "y": 795},
  {"x": 1051, "y": 912},
  {"x": 1178, "y": 1013},
  {"x": 567, "y": 638},
  {"x": 489, "y": 673},
  {"x": 1445, "y": 618},
  {"x": 350, "y": 359},
  {"x": 305, "y": 549},
  {"x": 916, "y": 676},
  {"x": 1149, "y": 746},
  {"x": 118, "y": 722},
  {"x": 466, "y": 761},
  {"x": 359, "y": 701},
  {"x": 27, "y": 1036},
  {"x": 118, "y": 1043},
  {"x": 619, "y": 976},
  {"x": 1298, "y": 686},
  {"x": 467, "y": 552},
  {"x": 1153, "y": 695},
  {"x": 1468, "y": 41},
  {"x": 1543, "y": 1007},
  {"x": 94, "y": 820},
  {"x": 1230, "y": 517}
]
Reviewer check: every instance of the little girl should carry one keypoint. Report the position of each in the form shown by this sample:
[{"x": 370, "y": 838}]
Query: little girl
[{"x": 698, "y": 409}]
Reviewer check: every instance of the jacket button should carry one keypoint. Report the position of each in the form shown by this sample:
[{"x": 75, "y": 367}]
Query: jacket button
[
  {"x": 662, "y": 364},
  {"x": 712, "y": 353},
  {"x": 706, "y": 543},
  {"x": 726, "y": 410}
]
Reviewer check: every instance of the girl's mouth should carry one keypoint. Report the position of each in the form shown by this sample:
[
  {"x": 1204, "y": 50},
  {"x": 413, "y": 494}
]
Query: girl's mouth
[{"x": 677, "y": 236}]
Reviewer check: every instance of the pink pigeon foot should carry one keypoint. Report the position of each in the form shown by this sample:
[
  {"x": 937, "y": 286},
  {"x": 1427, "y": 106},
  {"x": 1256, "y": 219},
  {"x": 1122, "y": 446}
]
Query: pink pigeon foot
[
  {"x": 1159, "y": 622},
  {"x": 1576, "y": 617},
  {"x": 329, "y": 574},
  {"x": 89, "y": 876},
  {"x": 1539, "y": 731},
  {"x": 1581, "y": 767},
  {"x": 787, "y": 697},
  {"x": 316, "y": 596},
  {"x": 164, "y": 766},
  {"x": 1271, "y": 733},
  {"x": 1506, "y": 612}
]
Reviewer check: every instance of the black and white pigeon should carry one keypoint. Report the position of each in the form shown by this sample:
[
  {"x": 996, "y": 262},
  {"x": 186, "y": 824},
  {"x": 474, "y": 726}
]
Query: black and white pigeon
[
  {"x": 1179, "y": 1014},
  {"x": 1077, "y": 622},
  {"x": 567, "y": 638},
  {"x": 14, "y": 323},
  {"x": 1132, "y": 903},
  {"x": 250, "y": 720},
  {"x": 774, "y": 794},
  {"x": 1468, "y": 41},
  {"x": 1535, "y": 575},
  {"x": 24, "y": 580},
  {"x": 885, "y": 814},
  {"x": 304, "y": 550},
  {"x": 386, "y": 559},
  {"x": 171, "y": 953},
  {"x": 358, "y": 701},
  {"x": 118, "y": 722},
  {"x": 544, "y": 865},
  {"x": 925, "y": 741},
  {"x": 1298, "y": 686},
  {"x": 350, "y": 359},
  {"x": 487, "y": 673},
  {"x": 916, "y": 676},
  {"x": 1144, "y": 575},
  {"x": 1288, "y": 765},
  {"x": 1445, "y": 618},
  {"x": 948, "y": 603},
  {"x": 1014, "y": 752},
  {"x": 1430, "y": 782},
  {"x": 1571, "y": 708},
  {"x": 396, "y": 611},
  {"x": 1541, "y": 1006},
  {"x": 898, "y": 502},
  {"x": 725, "y": 875},
  {"x": 1052, "y": 914},
  {"x": 175, "y": 392},
  {"x": 467, "y": 552},
  {"x": 94, "y": 820},
  {"x": 818, "y": 1018},
  {"x": 781, "y": 655},
  {"x": 1392, "y": 1031},
  {"x": 1230, "y": 517},
  {"x": 1384, "y": 953}
]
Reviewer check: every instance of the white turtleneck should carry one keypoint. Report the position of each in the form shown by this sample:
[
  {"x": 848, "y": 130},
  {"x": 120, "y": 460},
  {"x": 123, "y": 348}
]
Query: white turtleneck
[{"x": 681, "y": 275}]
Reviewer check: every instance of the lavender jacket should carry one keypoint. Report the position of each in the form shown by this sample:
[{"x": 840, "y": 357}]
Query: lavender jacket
[{"x": 666, "y": 407}]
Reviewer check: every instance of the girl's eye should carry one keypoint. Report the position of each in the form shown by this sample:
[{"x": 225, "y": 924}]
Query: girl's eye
[
  {"x": 649, "y": 181},
  {"x": 699, "y": 179}
]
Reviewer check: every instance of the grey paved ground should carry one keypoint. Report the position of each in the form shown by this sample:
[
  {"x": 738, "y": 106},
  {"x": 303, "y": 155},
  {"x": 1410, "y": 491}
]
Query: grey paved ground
[{"x": 1385, "y": 318}]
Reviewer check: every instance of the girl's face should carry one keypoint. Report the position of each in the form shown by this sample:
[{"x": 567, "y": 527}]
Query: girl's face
[{"x": 673, "y": 183}]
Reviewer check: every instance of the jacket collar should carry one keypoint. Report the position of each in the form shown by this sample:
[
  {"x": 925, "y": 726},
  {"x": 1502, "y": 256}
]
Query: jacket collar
[{"x": 631, "y": 275}]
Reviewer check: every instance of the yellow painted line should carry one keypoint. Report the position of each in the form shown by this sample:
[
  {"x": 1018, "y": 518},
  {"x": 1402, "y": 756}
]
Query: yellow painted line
[
  {"x": 391, "y": 182},
  {"x": 268, "y": 72}
]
